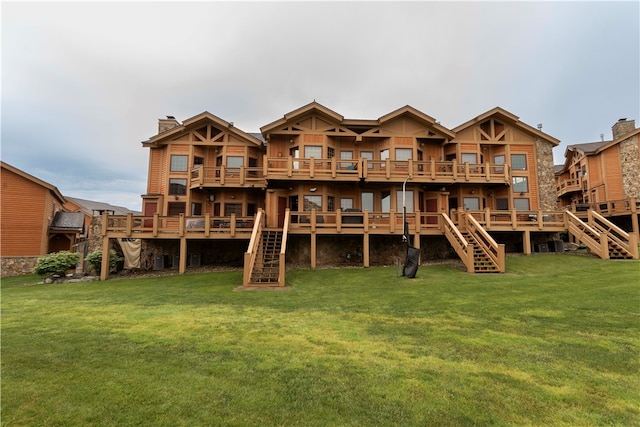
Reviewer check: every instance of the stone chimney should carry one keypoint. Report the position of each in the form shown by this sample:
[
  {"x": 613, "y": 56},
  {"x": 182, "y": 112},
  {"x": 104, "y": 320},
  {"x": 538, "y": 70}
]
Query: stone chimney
[
  {"x": 165, "y": 124},
  {"x": 622, "y": 127}
]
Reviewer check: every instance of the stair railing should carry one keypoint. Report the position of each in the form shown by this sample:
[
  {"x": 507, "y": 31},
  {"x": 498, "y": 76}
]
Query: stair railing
[
  {"x": 252, "y": 250},
  {"x": 489, "y": 246},
  {"x": 627, "y": 241},
  {"x": 459, "y": 243},
  {"x": 283, "y": 249},
  {"x": 593, "y": 239}
]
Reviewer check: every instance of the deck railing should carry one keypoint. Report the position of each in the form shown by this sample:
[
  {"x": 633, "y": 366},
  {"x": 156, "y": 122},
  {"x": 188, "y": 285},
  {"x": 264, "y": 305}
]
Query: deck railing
[
  {"x": 252, "y": 249},
  {"x": 202, "y": 176},
  {"x": 568, "y": 185},
  {"x": 383, "y": 170}
]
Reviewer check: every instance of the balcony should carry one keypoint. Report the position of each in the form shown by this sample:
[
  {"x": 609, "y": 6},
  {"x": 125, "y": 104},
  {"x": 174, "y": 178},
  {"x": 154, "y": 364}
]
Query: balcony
[
  {"x": 222, "y": 176},
  {"x": 568, "y": 186},
  {"x": 441, "y": 172}
]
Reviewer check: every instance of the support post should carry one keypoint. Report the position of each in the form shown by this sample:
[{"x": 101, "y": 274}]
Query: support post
[
  {"x": 104, "y": 266},
  {"x": 526, "y": 242},
  {"x": 183, "y": 256},
  {"x": 365, "y": 250},
  {"x": 313, "y": 251}
]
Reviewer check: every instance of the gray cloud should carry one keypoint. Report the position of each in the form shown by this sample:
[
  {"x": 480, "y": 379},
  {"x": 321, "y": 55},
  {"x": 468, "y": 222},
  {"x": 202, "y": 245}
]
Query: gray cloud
[{"x": 84, "y": 83}]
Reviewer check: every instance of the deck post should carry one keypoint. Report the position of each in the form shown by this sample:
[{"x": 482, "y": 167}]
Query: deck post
[
  {"x": 526, "y": 242},
  {"x": 104, "y": 267},
  {"x": 183, "y": 255},
  {"x": 313, "y": 251},
  {"x": 365, "y": 250}
]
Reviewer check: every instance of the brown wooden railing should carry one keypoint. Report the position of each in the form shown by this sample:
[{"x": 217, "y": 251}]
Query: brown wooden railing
[
  {"x": 489, "y": 246},
  {"x": 626, "y": 241},
  {"x": 458, "y": 242},
  {"x": 567, "y": 186},
  {"x": 383, "y": 170},
  {"x": 588, "y": 235},
  {"x": 283, "y": 250},
  {"x": 202, "y": 176},
  {"x": 609, "y": 208},
  {"x": 515, "y": 220},
  {"x": 176, "y": 226},
  {"x": 252, "y": 249}
]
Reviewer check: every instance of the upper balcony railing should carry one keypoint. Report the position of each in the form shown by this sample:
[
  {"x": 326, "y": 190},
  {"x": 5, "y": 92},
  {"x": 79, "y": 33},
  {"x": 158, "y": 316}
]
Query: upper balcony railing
[
  {"x": 384, "y": 170},
  {"x": 202, "y": 176},
  {"x": 568, "y": 186}
]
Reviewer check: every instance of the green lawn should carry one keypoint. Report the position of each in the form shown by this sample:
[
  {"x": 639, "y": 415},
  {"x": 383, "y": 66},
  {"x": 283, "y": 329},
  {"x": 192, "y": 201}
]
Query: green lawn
[{"x": 554, "y": 341}]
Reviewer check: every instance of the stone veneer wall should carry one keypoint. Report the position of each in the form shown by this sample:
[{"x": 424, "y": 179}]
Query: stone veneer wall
[
  {"x": 546, "y": 175},
  {"x": 630, "y": 159},
  {"x": 17, "y": 265}
]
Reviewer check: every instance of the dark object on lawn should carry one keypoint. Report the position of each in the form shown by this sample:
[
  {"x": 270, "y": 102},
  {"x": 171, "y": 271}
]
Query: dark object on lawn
[{"x": 411, "y": 264}]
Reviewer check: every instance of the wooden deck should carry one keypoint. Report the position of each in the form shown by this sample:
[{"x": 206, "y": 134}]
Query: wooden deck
[{"x": 340, "y": 170}]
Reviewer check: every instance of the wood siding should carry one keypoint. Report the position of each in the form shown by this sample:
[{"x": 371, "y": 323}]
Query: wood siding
[{"x": 27, "y": 211}]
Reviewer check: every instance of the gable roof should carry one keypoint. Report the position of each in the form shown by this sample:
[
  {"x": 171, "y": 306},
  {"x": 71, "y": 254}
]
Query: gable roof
[
  {"x": 509, "y": 118},
  {"x": 52, "y": 188},
  {"x": 68, "y": 221},
  {"x": 91, "y": 207},
  {"x": 593, "y": 148},
  {"x": 305, "y": 109},
  {"x": 199, "y": 120},
  {"x": 317, "y": 108}
]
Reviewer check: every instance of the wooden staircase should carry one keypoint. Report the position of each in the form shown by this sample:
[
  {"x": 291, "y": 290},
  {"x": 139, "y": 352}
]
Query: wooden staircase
[
  {"x": 265, "y": 256},
  {"x": 266, "y": 268},
  {"x": 477, "y": 249},
  {"x": 602, "y": 237}
]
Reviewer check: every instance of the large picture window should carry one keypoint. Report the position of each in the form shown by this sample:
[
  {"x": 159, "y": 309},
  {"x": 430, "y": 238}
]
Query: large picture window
[
  {"x": 404, "y": 153},
  {"x": 177, "y": 186},
  {"x": 471, "y": 203},
  {"x": 367, "y": 201},
  {"x": 312, "y": 202},
  {"x": 470, "y": 158},
  {"x": 235, "y": 161},
  {"x": 314, "y": 151},
  {"x": 408, "y": 201},
  {"x": 179, "y": 163}
]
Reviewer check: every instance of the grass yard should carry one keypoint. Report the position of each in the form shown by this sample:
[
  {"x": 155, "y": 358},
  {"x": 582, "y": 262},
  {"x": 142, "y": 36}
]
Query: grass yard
[{"x": 554, "y": 341}]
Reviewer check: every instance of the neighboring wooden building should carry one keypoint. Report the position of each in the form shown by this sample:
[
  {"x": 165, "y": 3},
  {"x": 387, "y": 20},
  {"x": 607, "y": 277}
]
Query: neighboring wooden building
[
  {"x": 33, "y": 221},
  {"x": 323, "y": 179},
  {"x": 604, "y": 176}
]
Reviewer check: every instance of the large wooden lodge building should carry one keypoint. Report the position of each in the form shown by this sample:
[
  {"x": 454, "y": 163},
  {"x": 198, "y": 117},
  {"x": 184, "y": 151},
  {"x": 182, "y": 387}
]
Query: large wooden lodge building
[{"x": 314, "y": 185}]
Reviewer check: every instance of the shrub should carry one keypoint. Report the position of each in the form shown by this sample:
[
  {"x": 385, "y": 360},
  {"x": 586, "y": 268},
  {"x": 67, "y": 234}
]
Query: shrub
[
  {"x": 94, "y": 259},
  {"x": 56, "y": 263}
]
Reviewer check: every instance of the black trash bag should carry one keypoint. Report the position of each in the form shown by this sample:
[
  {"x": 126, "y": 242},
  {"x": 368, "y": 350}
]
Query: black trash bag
[{"x": 411, "y": 264}]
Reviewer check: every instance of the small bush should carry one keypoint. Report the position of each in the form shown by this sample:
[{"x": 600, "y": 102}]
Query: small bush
[
  {"x": 56, "y": 263},
  {"x": 94, "y": 259}
]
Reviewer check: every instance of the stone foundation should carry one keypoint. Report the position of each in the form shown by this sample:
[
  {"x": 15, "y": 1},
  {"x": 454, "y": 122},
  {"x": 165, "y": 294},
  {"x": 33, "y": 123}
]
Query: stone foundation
[{"x": 17, "y": 266}]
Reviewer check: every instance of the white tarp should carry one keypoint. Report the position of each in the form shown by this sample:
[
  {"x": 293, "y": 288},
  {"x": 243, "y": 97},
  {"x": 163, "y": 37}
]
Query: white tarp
[{"x": 131, "y": 251}]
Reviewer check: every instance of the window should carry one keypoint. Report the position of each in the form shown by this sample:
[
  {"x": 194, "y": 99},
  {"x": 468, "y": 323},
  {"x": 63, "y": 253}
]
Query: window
[
  {"x": 520, "y": 184},
  {"x": 404, "y": 153},
  {"x": 235, "y": 161},
  {"x": 385, "y": 200},
  {"x": 499, "y": 160},
  {"x": 384, "y": 154},
  {"x": 312, "y": 202},
  {"x": 346, "y": 204},
  {"x": 176, "y": 208},
  {"x": 367, "y": 201},
  {"x": 347, "y": 155},
  {"x": 471, "y": 203},
  {"x": 521, "y": 204},
  {"x": 198, "y": 161},
  {"x": 177, "y": 186},
  {"x": 314, "y": 151},
  {"x": 196, "y": 209},
  {"x": 470, "y": 158},
  {"x": 408, "y": 201},
  {"x": 179, "y": 163},
  {"x": 367, "y": 155},
  {"x": 502, "y": 204},
  {"x": 519, "y": 162},
  {"x": 331, "y": 152},
  {"x": 331, "y": 203},
  {"x": 232, "y": 208},
  {"x": 295, "y": 153}
]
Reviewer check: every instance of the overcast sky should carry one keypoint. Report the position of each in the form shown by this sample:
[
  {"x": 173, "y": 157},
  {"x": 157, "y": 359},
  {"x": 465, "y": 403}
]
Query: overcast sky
[{"x": 83, "y": 83}]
